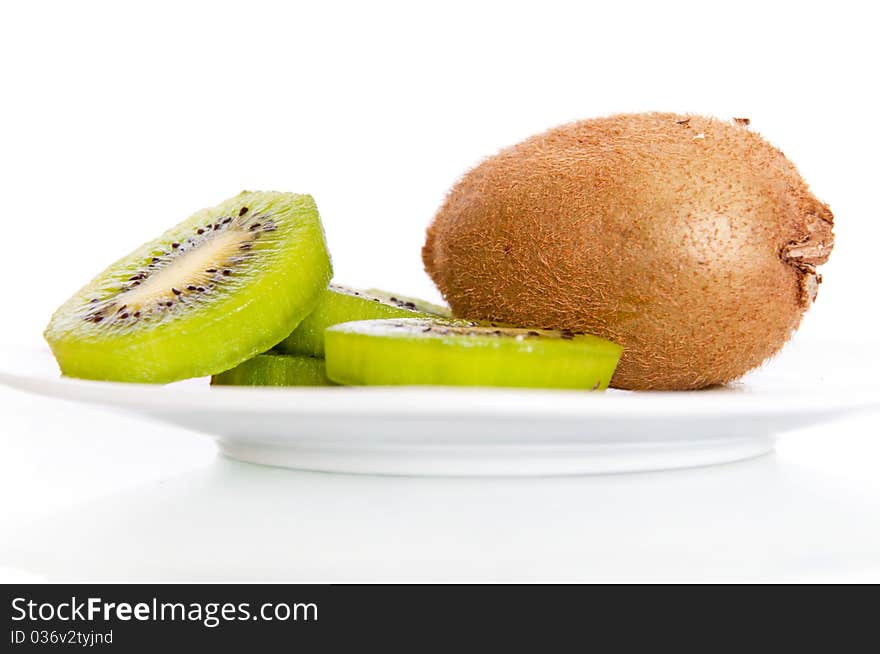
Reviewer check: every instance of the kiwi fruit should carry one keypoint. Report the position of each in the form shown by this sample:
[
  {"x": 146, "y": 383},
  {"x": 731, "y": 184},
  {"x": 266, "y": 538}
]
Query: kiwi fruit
[
  {"x": 417, "y": 351},
  {"x": 690, "y": 241},
  {"x": 222, "y": 286},
  {"x": 342, "y": 304},
  {"x": 272, "y": 369}
]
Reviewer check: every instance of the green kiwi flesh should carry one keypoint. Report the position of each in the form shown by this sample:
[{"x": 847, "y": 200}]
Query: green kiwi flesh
[
  {"x": 272, "y": 369},
  {"x": 222, "y": 286},
  {"x": 411, "y": 303},
  {"x": 413, "y": 351},
  {"x": 340, "y": 304}
]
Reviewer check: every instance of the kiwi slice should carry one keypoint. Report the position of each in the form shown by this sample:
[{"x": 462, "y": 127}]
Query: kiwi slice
[
  {"x": 411, "y": 303},
  {"x": 459, "y": 353},
  {"x": 272, "y": 369},
  {"x": 222, "y": 286},
  {"x": 342, "y": 304}
]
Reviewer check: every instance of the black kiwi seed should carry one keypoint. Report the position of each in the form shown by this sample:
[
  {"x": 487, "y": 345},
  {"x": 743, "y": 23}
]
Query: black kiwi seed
[
  {"x": 176, "y": 291},
  {"x": 255, "y": 226},
  {"x": 241, "y": 212},
  {"x": 200, "y": 289},
  {"x": 175, "y": 245},
  {"x": 211, "y": 270},
  {"x": 169, "y": 304},
  {"x": 228, "y": 220},
  {"x": 124, "y": 315},
  {"x": 227, "y": 273},
  {"x": 137, "y": 314},
  {"x": 190, "y": 288},
  {"x": 246, "y": 246},
  {"x": 200, "y": 231}
]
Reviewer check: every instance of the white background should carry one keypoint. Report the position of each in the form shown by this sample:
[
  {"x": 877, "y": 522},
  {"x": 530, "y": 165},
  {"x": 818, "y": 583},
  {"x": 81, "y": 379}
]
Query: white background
[{"x": 118, "y": 120}]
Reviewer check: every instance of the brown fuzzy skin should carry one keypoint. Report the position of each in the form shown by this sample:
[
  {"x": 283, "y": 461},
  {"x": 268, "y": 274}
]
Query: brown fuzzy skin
[{"x": 690, "y": 241}]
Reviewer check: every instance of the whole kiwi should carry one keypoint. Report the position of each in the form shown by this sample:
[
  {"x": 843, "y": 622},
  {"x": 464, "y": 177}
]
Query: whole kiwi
[{"x": 690, "y": 241}]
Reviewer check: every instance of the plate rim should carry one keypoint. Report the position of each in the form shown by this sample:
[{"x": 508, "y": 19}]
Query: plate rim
[
  {"x": 428, "y": 400},
  {"x": 733, "y": 400}
]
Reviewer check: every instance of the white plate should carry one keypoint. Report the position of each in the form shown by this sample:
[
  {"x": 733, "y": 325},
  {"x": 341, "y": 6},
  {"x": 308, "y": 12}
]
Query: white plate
[{"x": 469, "y": 431}]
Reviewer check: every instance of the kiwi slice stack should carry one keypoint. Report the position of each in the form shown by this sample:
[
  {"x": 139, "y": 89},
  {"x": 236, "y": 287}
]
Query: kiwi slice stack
[
  {"x": 241, "y": 292},
  {"x": 298, "y": 360}
]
